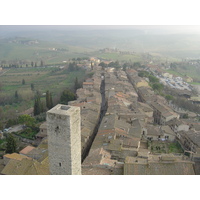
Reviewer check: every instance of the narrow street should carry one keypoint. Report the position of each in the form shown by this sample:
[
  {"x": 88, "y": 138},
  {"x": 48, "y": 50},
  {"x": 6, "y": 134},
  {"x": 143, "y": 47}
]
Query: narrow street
[{"x": 102, "y": 113}]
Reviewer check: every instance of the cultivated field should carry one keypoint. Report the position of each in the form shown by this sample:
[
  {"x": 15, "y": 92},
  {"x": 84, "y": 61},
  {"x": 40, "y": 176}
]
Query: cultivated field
[{"x": 53, "y": 79}]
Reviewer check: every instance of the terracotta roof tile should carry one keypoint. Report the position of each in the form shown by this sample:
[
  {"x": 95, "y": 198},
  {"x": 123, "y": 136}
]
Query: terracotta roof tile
[{"x": 26, "y": 150}]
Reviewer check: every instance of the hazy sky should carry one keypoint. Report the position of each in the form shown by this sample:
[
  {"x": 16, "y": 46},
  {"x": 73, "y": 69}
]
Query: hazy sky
[{"x": 147, "y": 28}]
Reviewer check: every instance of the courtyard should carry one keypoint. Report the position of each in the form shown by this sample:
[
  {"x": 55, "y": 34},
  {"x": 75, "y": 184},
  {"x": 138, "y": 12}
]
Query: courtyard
[{"x": 164, "y": 147}]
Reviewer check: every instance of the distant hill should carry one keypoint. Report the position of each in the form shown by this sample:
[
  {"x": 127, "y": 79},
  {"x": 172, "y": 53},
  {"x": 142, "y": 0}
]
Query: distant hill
[{"x": 138, "y": 40}]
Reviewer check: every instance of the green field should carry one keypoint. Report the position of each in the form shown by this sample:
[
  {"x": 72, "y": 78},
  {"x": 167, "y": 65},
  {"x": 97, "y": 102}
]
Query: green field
[
  {"x": 53, "y": 79},
  {"x": 195, "y": 83},
  {"x": 174, "y": 72},
  {"x": 188, "y": 70},
  {"x": 42, "y": 78},
  {"x": 48, "y": 51},
  {"x": 117, "y": 56}
]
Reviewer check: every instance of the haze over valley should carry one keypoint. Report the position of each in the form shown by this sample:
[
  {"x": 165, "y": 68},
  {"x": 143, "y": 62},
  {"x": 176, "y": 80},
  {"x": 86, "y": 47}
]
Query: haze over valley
[
  {"x": 177, "y": 42},
  {"x": 99, "y": 100}
]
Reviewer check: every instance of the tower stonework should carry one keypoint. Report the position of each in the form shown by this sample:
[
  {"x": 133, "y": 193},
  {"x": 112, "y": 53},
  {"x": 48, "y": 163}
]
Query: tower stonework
[{"x": 64, "y": 140}]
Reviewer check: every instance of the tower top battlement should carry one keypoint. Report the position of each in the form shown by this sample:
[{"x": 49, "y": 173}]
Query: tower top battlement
[{"x": 63, "y": 109}]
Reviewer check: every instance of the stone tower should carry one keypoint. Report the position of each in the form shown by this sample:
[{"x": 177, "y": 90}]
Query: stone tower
[{"x": 64, "y": 140}]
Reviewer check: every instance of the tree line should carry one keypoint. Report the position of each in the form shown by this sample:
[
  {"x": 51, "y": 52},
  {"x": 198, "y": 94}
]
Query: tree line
[
  {"x": 20, "y": 64},
  {"x": 65, "y": 96},
  {"x": 40, "y": 104},
  {"x": 153, "y": 81}
]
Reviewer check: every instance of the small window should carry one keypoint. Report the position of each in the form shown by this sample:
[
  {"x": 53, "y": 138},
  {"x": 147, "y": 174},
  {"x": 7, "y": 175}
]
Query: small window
[
  {"x": 60, "y": 164},
  {"x": 57, "y": 128}
]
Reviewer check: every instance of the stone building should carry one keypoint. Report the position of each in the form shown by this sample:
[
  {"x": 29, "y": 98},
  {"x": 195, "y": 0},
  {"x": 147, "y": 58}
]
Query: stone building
[
  {"x": 162, "y": 114},
  {"x": 64, "y": 140},
  {"x": 43, "y": 131},
  {"x": 166, "y": 164}
]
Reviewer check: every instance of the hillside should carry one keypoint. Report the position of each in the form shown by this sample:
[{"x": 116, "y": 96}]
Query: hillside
[{"x": 58, "y": 45}]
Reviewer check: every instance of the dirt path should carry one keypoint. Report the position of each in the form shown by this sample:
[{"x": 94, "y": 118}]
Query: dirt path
[{"x": 4, "y": 72}]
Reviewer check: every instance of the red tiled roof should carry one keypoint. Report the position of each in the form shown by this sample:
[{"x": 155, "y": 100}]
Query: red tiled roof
[{"x": 26, "y": 150}]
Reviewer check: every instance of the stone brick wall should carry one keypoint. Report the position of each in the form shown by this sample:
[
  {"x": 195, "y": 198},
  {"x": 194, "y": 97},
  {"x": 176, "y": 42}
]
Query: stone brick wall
[{"x": 64, "y": 140}]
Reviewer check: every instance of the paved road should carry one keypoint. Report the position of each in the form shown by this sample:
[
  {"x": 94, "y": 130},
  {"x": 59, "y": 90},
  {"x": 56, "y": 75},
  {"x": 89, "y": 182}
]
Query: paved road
[{"x": 15, "y": 128}]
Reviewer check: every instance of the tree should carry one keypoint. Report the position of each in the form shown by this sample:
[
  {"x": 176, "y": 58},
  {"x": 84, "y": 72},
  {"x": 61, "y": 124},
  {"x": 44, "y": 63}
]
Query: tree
[
  {"x": 103, "y": 65},
  {"x": 72, "y": 67},
  {"x": 32, "y": 87},
  {"x": 76, "y": 84},
  {"x": 1, "y": 86},
  {"x": 16, "y": 99},
  {"x": 47, "y": 99},
  {"x": 38, "y": 93},
  {"x": 157, "y": 86},
  {"x": 185, "y": 116},
  {"x": 11, "y": 145},
  {"x": 41, "y": 63},
  {"x": 37, "y": 106},
  {"x": 143, "y": 74},
  {"x": 42, "y": 107},
  {"x": 67, "y": 96},
  {"x": 153, "y": 79},
  {"x": 27, "y": 120},
  {"x": 1, "y": 125},
  {"x": 1, "y": 112},
  {"x": 92, "y": 67},
  {"x": 16, "y": 95},
  {"x": 114, "y": 64},
  {"x": 49, "y": 102},
  {"x": 169, "y": 97},
  {"x": 32, "y": 64},
  {"x": 136, "y": 65},
  {"x": 12, "y": 122},
  {"x": 23, "y": 82}
]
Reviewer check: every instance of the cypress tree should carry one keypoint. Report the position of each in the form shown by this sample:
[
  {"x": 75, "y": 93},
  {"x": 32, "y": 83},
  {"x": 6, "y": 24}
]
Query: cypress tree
[
  {"x": 11, "y": 145},
  {"x": 37, "y": 106},
  {"x": 92, "y": 67},
  {"x": 35, "y": 111},
  {"x": 23, "y": 82},
  {"x": 51, "y": 101},
  {"x": 42, "y": 107},
  {"x": 47, "y": 99},
  {"x": 32, "y": 86},
  {"x": 76, "y": 84},
  {"x": 16, "y": 95}
]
